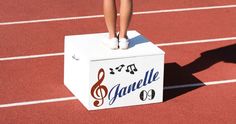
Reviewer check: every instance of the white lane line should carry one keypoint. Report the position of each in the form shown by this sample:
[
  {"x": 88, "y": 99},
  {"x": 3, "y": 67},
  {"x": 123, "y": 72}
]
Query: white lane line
[
  {"x": 74, "y": 98},
  {"x": 200, "y": 84},
  {"x": 37, "y": 102},
  {"x": 100, "y": 16},
  {"x": 162, "y": 44},
  {"x": 31, "y": 56},
  {"x": 51, "y": 20},
  {"x": 197, "y": 41},
  {"x": 185, "y": 9}
]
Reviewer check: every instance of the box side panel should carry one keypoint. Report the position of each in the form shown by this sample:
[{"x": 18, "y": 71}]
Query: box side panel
[
  {"x": 68, "y": 46},
  {"x": 76, "y": 70}
]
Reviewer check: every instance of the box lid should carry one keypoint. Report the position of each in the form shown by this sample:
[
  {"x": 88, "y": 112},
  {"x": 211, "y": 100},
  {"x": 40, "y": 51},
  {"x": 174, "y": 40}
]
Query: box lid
[{"x": 92, "y": 47}]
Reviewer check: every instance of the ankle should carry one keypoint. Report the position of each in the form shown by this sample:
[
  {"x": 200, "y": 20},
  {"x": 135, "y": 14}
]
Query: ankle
[
  {"x": 112, "y": 36},
  {"x": 123, "y": 36}
]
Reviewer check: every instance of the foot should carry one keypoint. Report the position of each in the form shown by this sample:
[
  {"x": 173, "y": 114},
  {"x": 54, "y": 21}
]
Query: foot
[
  {"x": 123, "y": 43},
  {"x": 112, "y": 43}
]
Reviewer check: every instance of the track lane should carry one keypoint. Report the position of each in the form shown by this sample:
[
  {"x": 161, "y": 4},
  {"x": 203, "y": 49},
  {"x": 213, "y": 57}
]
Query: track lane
[
  {"x": 161, "y": 28},
  {"x": 32, "y": 80},
  {"x": 41, "y": 9},
  {"x": 206, "y": 62},
  {"x": 101, "y": 16},
  {"x": 210, "y": 104}
]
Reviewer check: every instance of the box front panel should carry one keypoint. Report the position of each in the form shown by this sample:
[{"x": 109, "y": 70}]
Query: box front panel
[{"x": 126, "y": 82}]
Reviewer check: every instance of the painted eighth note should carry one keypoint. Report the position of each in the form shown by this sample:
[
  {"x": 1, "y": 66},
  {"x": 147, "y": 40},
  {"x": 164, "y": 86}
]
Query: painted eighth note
[
  {"x": 119, "y": 68},
  {"x": 131, "y": 69}
]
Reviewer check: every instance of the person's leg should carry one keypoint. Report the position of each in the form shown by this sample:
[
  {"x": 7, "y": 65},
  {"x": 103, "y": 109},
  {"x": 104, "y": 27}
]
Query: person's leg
[
  {"x": 126, "y": 10},
  {"x": 110, "y": 13}
]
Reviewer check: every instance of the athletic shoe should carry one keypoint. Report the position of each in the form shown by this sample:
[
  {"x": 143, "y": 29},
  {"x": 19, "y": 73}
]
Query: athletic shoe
[
  {"x": 123, "y": 43},
  {"x": 111, "y": 43}
]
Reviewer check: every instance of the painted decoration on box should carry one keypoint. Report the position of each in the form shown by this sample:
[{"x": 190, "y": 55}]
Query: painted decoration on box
[{"x": 100, "y": 92}]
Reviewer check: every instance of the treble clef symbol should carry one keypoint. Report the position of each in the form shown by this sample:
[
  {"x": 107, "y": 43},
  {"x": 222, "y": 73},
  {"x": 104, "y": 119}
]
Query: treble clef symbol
[{"x": 98, "y": 91}]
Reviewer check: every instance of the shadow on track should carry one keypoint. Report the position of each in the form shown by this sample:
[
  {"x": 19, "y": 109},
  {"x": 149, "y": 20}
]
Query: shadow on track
[
  {"x": 211, "y": 57},
  {"x": 175, "y": 75}
]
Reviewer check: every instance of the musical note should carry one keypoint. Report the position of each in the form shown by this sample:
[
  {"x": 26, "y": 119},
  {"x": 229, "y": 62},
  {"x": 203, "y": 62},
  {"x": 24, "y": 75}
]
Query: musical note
[
  {"x": 131, "y": 69},
  {"x": 112, "y": 71},
  {"x": 119, "y": 68},
  {"x": 98, "y": 91}
]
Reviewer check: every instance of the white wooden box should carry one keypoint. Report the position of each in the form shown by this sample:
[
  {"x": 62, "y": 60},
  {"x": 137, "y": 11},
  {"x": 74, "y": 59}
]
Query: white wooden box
[{"x": 103, "y": 78}]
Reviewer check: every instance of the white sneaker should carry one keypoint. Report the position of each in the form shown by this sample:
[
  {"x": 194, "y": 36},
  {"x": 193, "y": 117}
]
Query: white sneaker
[
  {"x": 111, "y": 43},
  {"x": 123, "y": 43}
]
